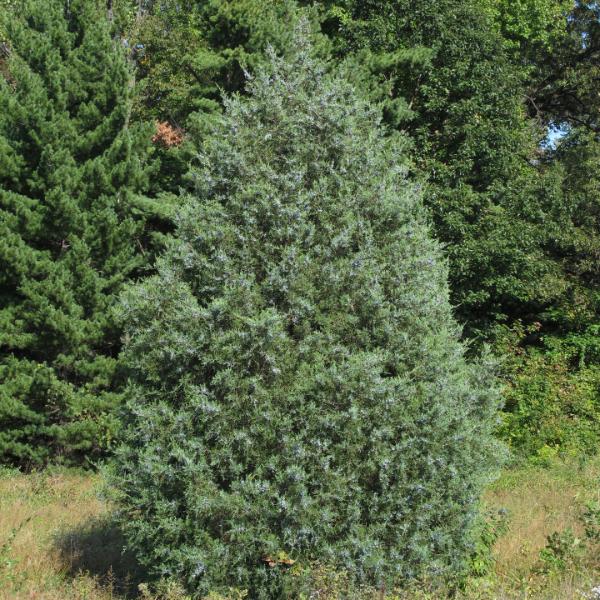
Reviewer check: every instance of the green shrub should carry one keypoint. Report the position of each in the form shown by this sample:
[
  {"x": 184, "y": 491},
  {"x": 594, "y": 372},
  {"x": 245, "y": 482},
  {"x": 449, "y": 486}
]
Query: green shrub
[
  {"x": 562, "y": 550},
  {"x": 490, "y": 526},
  {"x": 591, "y": 522},
  {"x": 552, "y": 396},
  {"x": 298, "y": 387}
]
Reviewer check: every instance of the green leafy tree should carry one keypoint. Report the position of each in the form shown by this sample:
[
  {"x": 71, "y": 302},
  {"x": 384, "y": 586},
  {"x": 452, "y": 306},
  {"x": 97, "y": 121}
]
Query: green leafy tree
[
  {"x": 443, "y": 74},
  {"x": 529, "y": 24},
  {"x": 553, "y": 400},
  {"x": 553, "y": 370},
  {"x": 72, "y": 169},
  {"x": 563, "y": 88},
  {"x": 298, "y": 388}
]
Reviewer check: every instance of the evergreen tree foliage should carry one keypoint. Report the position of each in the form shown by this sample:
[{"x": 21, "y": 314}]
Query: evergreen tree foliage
[
  {"x": 297, "y": 381},
  {"x": 71, "y": 226},
  {"x": 188, "y": 53}
]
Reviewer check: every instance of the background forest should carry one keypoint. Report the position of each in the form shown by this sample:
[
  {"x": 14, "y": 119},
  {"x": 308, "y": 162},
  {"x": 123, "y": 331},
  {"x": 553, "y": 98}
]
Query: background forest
[{"x": 489, "y": 108}]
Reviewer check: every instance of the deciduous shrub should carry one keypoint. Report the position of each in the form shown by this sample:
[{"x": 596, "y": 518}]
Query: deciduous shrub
[{"x": 552, "y": 402}]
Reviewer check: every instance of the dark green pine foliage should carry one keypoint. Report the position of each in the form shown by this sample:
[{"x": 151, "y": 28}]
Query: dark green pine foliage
[
  {"x": 297, "y": 380},
  {"x": 193, "y": 51},
  {"x": 71, "y": 227}
]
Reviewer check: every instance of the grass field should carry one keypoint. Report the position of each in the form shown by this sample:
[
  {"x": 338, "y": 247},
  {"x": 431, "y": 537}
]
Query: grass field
[{"x": 56, "y": 541}]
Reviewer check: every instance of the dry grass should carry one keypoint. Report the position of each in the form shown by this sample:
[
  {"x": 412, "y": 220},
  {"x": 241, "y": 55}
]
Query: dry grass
[
  {"x": 540, "y": 502},
  {"x": 55, "y": 540},
  {"x": 57, "y": 543}
]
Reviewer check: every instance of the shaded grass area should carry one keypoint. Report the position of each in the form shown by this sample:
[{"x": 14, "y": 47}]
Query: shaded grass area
[
  {"x": 95, "y": 549},
  {"x": 57, "y": 541}
]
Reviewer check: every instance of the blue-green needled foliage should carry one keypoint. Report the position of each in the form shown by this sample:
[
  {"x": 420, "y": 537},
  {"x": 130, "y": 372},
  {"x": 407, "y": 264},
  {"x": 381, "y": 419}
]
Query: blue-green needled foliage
[{"x": 297, "y": 383}]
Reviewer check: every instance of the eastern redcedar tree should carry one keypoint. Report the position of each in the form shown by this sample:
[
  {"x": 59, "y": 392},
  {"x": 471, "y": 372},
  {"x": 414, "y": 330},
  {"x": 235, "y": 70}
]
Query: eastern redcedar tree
[{"x": 297, "y": 380}]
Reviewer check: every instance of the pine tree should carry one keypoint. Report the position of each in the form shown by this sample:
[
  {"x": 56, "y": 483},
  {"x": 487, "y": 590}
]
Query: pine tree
[
  {"x": 190, "y": 52},
  {"x": 297, "y": 381},
  {"x": 71, "y": 226}
]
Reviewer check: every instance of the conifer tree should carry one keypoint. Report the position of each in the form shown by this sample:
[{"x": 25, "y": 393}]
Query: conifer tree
[
  {"x": 189, "y": 52},
  {"x": 71, "y": 226},
  {"x": 298, "y": 388}
]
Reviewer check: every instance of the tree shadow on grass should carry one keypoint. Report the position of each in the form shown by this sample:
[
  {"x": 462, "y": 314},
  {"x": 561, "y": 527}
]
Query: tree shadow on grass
[{"x": 96, "y": 549}]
